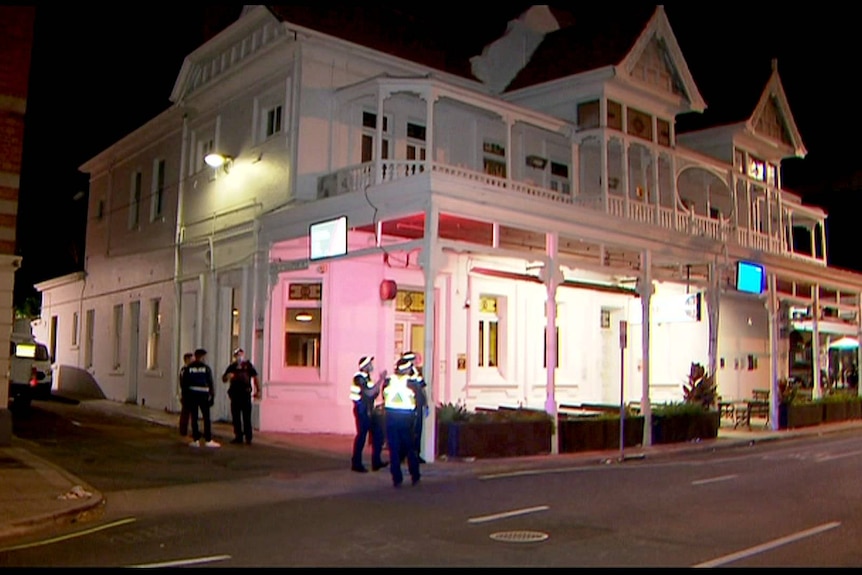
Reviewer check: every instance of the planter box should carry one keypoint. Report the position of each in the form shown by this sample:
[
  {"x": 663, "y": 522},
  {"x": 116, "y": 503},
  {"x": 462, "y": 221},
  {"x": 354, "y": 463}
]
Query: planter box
[
  {"x": 494, "y": 439},
  {"x": 598, "y": 433},
  {"x": 799, "y": 415},
  {"x": 682, "y": 427},
  {"x": 835, "y": 411},
  {"x": 854, "y": 409}
]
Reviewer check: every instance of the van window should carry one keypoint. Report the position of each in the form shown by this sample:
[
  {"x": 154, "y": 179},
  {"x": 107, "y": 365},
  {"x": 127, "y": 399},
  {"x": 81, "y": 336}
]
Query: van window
[{"x": 31, "y": 351}]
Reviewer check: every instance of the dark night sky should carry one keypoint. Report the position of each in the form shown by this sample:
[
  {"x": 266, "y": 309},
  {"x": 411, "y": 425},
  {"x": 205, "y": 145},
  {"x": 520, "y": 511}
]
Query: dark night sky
[{"x": 97, "y": 74}]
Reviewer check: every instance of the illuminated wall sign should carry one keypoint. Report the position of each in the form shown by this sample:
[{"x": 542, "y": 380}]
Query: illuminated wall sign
[
  {"x": 327, "y": 239},
  {"x": 750, "y": 277},
  {"x": 675, "y": 307}
]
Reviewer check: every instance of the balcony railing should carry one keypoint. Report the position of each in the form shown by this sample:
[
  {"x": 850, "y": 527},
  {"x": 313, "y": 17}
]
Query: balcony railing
[{"x": 357, "y": 178}]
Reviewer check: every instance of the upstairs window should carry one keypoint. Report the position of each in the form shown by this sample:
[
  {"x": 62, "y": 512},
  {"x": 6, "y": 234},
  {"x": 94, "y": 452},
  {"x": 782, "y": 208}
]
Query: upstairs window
[
  {"x": 158, "y": 198},
  {"x": 663, "y": 127},
  {"x": 135, "y": 200},
  {"x": 205, "y": 146},
  {"x": 494, "y": 159},
  {"x": 560, "y": 178},
  {"x": 739, "y": 160},
  {"x": 415, "y": 141},
  {"x": 588, "y": 115},
  {"x": 272, "y": 122},
  {"x": 369, "y": 135},
  {"x": 756, "y": 169},
  {"x": 639, "y": 124},
  {"x": 615, "y": 115}
]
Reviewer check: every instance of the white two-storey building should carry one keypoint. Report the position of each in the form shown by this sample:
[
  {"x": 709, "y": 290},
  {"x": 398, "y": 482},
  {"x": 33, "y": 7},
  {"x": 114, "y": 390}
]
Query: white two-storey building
[{"x": 380, "y": 193}]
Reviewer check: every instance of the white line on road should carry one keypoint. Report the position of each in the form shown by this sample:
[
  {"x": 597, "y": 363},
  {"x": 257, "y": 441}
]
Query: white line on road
[
  {"x": 769, "y": 545},
  {"x": 182, "y": 562},
  {"x": 820, "y": 458},
  {"x": 515, "y": 513},
  {"x": 69, "y": 535},
  {"x": 714, "y": 479}
]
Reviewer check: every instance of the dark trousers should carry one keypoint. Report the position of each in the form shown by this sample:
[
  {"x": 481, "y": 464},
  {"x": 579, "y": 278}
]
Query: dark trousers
[
  {"x": 366, "y": 424},
  {"x": 399, "y": 435},
  {"x": 417, "y": 431},
  {"x": 200, "y": 402},
  {"x": 184, "y": 416},
  {"x": 240, "y": 413}
]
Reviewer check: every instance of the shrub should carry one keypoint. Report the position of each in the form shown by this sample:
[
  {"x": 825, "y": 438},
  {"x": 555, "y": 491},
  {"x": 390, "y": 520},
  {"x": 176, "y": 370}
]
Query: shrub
[
  {"x": 701, "y": 388},
  {"x": 449, "y": 412},
  {"x": 677, "y": 408}
]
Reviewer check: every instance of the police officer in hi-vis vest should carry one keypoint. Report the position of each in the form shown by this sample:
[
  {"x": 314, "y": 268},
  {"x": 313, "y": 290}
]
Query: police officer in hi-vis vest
[
  {"x": 399, "y": 402},
  {"x": 363, "y": 392},
  {"x": 418, "y": 384}
]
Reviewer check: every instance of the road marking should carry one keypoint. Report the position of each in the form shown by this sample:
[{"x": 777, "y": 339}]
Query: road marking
[
  {"x": 820, "y": 458},
  {"x": 69, "y": 535},
  {"x": 769, "y": 545},
  {"x": 182, "y": 562},
  {"x": 714, "y": 479},
  {"x": 515, "y": 513}
]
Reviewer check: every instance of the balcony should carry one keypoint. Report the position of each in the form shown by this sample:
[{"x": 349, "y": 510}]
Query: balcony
[{"x": 682, "y": 219}]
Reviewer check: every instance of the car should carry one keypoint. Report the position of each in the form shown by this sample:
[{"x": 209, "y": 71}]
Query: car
[{"x": 30, "y": 372}]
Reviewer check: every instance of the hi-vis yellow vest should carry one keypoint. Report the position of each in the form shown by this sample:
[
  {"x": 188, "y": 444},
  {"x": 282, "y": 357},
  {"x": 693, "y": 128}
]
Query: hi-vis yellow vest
[
  {"x": 398, "y": 395},
  {"x": 356, "y": 392}
]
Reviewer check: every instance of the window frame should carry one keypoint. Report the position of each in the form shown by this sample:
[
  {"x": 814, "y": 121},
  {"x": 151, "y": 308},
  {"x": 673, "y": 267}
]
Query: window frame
[
  {"x": 154, "y": 328},
  {"x": 135, "y": 193},
  {"x": 157, "y": 202}
]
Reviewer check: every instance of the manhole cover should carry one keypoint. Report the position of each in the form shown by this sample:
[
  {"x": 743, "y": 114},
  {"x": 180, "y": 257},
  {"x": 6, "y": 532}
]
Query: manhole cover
[{"x": 519, "y": 536}]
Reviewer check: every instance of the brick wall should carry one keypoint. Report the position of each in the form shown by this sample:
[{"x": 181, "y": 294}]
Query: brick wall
[{"x": 16, "y": 44}]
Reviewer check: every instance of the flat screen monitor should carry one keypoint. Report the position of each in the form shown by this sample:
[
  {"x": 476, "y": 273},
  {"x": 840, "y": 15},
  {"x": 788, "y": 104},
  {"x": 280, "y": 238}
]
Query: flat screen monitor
[
  {"x": 750, "y": 277},
  {"x": 328, "y": 238}
]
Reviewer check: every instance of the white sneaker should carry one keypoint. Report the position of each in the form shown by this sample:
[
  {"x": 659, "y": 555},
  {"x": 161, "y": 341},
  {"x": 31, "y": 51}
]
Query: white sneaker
[
  {"x": 212, "y": 443},
  {"x": 195, "y": 444}
]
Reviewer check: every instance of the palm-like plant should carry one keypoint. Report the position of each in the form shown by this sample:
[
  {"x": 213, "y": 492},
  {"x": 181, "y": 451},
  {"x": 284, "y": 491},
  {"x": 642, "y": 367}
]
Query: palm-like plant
[{"x": 701, "y": 388}]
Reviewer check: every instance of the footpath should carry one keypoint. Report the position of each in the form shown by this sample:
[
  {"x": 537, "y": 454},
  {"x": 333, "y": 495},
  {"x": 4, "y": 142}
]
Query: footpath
[{"x": 34, "y": 493}]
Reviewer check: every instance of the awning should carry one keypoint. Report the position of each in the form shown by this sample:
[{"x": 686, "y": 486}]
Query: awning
[
  {"x": 566, "y": 283},
  {"x": 844, "y": 343}
]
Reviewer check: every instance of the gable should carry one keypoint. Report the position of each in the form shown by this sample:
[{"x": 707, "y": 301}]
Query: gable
[
  {"x": 655, "y": 68},
  {"x": 770, "y": 123},
  {"x": 656, "y": 60},
  {"x": 772, "y": 119}
]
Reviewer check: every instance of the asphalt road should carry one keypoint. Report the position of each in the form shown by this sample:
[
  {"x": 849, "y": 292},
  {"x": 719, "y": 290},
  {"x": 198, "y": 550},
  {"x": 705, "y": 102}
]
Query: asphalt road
[{"x": 792, "y": 504}]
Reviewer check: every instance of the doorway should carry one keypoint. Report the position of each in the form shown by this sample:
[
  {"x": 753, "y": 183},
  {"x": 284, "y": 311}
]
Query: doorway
[
  {"x": 134, "y": 335},
  {"x": 410, "y": 336}
]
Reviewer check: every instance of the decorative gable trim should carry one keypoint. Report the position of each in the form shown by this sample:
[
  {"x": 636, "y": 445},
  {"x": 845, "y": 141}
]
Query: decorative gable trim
[
  {"x": 772, "y": 103},
  {"x": 255, "y": 30},
  {"x": 658, "y": 30}
]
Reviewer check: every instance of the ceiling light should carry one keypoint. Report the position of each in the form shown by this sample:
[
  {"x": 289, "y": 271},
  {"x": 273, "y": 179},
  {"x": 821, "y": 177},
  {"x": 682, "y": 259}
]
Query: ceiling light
[{"x": 303, "y": 317}]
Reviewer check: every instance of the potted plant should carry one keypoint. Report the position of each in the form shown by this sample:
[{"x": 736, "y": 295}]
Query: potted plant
[
  {"x": 794, "y": 411},
  {"x": 493, "y": 433},
  {"x": 598, "y": 432},
  {"x": 696, "y": 417}
]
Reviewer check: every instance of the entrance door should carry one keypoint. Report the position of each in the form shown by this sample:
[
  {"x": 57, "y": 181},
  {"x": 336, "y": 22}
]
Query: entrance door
[
  {"x": 134, "y": 335},
  {"x": 410, "y": 336}
]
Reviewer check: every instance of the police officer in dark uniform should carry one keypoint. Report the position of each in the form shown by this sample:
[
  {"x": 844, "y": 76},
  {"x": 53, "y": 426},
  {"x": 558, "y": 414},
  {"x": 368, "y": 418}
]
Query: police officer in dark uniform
[
  {"x": 242, "y": 377},
  {"x": 400, "y": 405},
  {"x": 363, "y": 392},
  {"x": 198, "y": 386}
]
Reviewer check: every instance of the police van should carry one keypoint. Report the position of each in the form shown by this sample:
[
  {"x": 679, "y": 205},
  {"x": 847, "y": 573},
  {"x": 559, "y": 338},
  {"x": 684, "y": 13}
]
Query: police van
[{"x": 30, "y": 371}]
